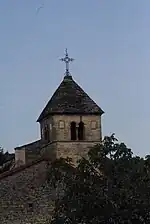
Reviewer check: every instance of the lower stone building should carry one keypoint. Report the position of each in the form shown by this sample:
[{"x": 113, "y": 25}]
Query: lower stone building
[
  {"x": 70, "y": 124},
  {"x": 25, "y": 195}
]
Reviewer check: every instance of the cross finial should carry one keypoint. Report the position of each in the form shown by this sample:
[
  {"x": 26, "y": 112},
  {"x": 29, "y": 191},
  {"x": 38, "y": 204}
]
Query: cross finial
[{"x": 67, "y": 60}]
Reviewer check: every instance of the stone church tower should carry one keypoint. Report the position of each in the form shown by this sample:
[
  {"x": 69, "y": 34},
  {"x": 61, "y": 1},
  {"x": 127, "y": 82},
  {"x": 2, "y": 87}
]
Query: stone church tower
[{"x": 70, "y": 123}]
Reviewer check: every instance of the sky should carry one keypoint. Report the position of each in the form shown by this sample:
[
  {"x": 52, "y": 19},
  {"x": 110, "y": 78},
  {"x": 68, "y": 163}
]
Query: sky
[{"x": 110, "y": 42}]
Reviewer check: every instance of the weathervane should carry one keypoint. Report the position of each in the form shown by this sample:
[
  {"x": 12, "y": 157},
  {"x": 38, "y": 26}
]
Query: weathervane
[{"x": 67, "y": 60}]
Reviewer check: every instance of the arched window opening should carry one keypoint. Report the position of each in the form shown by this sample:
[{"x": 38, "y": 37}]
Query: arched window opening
[
  {"x": 73, "y": 130},
  {"x": 46, "y": 134},
  {"x": 81, "y": 131}
]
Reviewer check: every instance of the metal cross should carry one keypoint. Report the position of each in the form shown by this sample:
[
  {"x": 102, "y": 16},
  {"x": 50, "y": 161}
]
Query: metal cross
[{"x": 67, "y": 60}]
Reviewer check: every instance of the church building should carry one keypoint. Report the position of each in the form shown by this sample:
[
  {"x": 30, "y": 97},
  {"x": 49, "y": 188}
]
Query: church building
[{"x": 70, "y": 124}]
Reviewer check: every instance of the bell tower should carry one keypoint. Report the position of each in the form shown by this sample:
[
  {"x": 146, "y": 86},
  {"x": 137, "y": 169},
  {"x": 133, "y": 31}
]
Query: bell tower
[{"x": 71, "y": 121}]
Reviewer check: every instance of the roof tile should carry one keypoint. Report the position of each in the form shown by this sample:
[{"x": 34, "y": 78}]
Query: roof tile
[{"x": 70, "y": 98}]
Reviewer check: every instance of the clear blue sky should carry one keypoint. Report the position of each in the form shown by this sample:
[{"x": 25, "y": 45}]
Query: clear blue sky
[{"x": 110, "y": 41}]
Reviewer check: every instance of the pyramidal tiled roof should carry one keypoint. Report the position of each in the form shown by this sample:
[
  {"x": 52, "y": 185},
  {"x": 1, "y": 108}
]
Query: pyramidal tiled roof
[{"x": 70, "y": 98}]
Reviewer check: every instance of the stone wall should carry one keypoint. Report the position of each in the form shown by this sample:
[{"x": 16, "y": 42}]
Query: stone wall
[
  {"x": 63, "y": 133},
  {"x": 20, "y": 157},
  {"x": 50, "y": 123},
  {"x": 61, "y": 143},
  {"x": 60, "y": 132},
  {"x": 74, "y": 150},
  {"x": 25, "y": 195}
]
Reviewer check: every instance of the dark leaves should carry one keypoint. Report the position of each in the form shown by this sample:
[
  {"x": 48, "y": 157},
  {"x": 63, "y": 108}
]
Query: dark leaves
[
  {"x": 5, "y": 160},
  {"x": 111, "y": 186}
]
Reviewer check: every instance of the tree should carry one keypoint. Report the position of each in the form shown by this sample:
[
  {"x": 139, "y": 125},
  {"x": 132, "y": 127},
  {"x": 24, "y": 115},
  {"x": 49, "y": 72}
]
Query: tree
[
  {"x": 111, "y": 186},
  {"x": 5, "y": 160}
]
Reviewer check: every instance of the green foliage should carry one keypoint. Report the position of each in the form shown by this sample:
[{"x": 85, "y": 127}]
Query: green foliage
[
  {"x": 112, "y": 186},
  {"x": 5, "y": 160}
]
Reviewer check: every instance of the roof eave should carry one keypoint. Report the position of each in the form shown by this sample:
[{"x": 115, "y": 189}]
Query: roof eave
[{"x": 41, "y": 117}]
